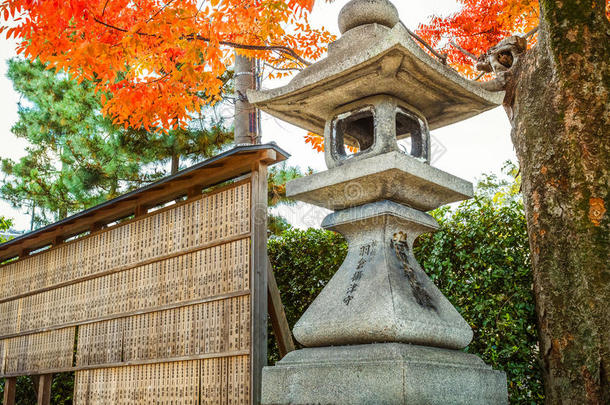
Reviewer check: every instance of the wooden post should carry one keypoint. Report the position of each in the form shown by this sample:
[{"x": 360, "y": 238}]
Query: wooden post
[
  {"x": 194, "y": 192},
  {"x": 10, "y": 388},
  {"x": 44, "y": 389},
  {"x": 281, "y": 329},
  {"x": 245, "y": 120},
  {"x": 259, "y": 277},
  {"x": 58, "y": 240},
  {"x": 140, "y": 210}
]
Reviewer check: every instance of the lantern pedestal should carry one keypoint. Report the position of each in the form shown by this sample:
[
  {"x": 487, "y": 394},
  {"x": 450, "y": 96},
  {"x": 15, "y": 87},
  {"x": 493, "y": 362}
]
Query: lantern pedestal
[
  {"x": 387, "y": 373},
  {"x": 380, "y": 293}
]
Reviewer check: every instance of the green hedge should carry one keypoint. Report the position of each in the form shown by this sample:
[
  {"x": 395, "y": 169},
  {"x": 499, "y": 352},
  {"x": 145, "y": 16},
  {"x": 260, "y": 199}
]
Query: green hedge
[{"x": 303, "y": 262}]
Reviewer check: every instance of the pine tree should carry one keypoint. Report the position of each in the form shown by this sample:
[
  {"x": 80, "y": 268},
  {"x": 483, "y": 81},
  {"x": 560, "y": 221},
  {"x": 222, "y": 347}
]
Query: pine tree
[{"x": 77, "y": 158}]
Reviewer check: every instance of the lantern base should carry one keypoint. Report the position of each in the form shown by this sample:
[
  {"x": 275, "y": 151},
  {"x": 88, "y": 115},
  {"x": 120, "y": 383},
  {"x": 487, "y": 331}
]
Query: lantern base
[{"x": 387, "y": 373}]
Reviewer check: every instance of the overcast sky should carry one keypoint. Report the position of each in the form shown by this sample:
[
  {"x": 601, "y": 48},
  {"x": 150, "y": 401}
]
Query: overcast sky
[{"x": 470, "y": 148}]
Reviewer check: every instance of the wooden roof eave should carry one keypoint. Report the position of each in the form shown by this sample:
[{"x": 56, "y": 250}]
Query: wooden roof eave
[{"x": 228, "y": 165}]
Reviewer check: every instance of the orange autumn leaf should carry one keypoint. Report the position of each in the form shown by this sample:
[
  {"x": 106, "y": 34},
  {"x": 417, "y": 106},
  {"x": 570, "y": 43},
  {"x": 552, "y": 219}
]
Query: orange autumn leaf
[
  {"x": 317, "y": 143},
  {"x": 160, "y": 60}
]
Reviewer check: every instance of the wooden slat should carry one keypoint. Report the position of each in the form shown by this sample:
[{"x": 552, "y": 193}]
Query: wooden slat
[
  {"x": 136, "y": 338},
  {"x": 162, "y": 383},
  {"x": 43, "y": 351},
  {"x": 44, "y": 389},
  {"x": 96, "y": 255}
]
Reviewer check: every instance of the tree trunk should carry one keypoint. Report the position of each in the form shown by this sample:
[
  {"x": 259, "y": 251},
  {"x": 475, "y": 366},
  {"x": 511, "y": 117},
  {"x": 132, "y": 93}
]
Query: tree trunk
[
  {"x": 246, "y": 116},
  {"x": 33, "y": 219},
  {"x": 559, "y": 107},
  {"x": 175, "y": 163}
]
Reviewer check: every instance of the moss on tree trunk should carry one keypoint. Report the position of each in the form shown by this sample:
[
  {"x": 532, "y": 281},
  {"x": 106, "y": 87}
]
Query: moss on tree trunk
[{"x": 559, "y": 105}]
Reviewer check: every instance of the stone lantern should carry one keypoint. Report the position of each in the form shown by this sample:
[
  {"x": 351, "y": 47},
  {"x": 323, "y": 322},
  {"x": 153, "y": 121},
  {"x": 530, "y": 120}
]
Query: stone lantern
[{"x": 380, "y": 332}]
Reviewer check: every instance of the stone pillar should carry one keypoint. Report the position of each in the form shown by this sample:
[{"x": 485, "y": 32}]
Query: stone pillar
[{"x": 380, "y": 332}]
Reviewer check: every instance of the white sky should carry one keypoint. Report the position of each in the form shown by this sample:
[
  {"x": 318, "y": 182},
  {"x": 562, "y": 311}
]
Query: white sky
[{"x": 478, "y": 145}]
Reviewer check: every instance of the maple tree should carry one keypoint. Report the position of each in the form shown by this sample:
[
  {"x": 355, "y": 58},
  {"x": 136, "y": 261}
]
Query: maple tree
[{"x": 160, "y": 60}]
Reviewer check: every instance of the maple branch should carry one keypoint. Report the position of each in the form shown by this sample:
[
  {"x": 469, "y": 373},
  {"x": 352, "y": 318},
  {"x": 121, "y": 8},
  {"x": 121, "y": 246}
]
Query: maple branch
[
  {"x": 464, "y": 51},
  {"x": 158, "y": 79},
  {"x": 159, "y": 11},
  {"x": 443, "y": 58},
  {"x": 104, "y": 9},
  {"x": 530, "y": 32},
  {"x": 114, "y": 27},
  {"x": 281, "y": 69},
  {"x": 191, "y": 37},
  {"x": 279, "y": 48}
]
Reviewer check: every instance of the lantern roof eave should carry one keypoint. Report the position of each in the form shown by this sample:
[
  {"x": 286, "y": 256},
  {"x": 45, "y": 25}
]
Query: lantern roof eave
[{"x": 373, "y": 60}]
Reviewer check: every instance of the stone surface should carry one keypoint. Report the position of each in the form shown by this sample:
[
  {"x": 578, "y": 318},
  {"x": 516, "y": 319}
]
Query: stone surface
[
  {"x": 371, "y": 60},
  {"x": 363, "y": 12},
  {"x": 390, "y": 373},
  {"x": 380, "y": 293},
  {"x": 392, "y": 176}
]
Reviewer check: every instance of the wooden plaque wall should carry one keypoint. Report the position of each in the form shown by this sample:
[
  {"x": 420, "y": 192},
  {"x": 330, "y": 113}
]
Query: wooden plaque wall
[{"x": 164, "y": 308}]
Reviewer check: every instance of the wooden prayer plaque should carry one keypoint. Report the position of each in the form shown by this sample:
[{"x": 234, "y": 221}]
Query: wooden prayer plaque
[{"x": 168, "y": 305}]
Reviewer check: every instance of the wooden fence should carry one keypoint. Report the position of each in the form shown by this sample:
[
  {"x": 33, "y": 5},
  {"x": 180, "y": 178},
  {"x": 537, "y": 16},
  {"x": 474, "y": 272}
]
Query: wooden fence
[{"x": 167, "y": 306}]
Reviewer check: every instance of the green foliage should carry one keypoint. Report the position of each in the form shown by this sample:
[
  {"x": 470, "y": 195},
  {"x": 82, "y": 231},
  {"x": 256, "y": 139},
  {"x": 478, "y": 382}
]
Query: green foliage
[
  {"x": 479, "y": 259},
  {"x": 5, "y": 225},
  {"x": 278, "y": 176},
  {"x": 62, "y": 389},
  {"x": 303, "y": 262},
  {"x": 76, "y": 158}
]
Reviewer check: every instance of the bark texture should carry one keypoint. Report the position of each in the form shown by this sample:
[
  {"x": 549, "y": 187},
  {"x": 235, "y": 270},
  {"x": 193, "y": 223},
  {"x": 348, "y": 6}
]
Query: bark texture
[
  {"x": 559, "y": 106},
  {"x": 246, "y": 116}
]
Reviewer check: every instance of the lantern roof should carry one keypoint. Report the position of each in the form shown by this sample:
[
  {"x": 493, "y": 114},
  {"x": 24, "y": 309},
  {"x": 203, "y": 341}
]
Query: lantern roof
[{"x": 373, "y": 59}]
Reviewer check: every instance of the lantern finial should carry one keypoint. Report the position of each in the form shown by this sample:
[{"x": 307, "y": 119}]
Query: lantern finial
[{"x": 362, "y": 12}]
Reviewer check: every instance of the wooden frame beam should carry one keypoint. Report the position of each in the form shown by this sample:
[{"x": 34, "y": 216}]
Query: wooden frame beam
[
  {"x": 259, "y": 274},
  {"x": 281, "y": 329}
]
